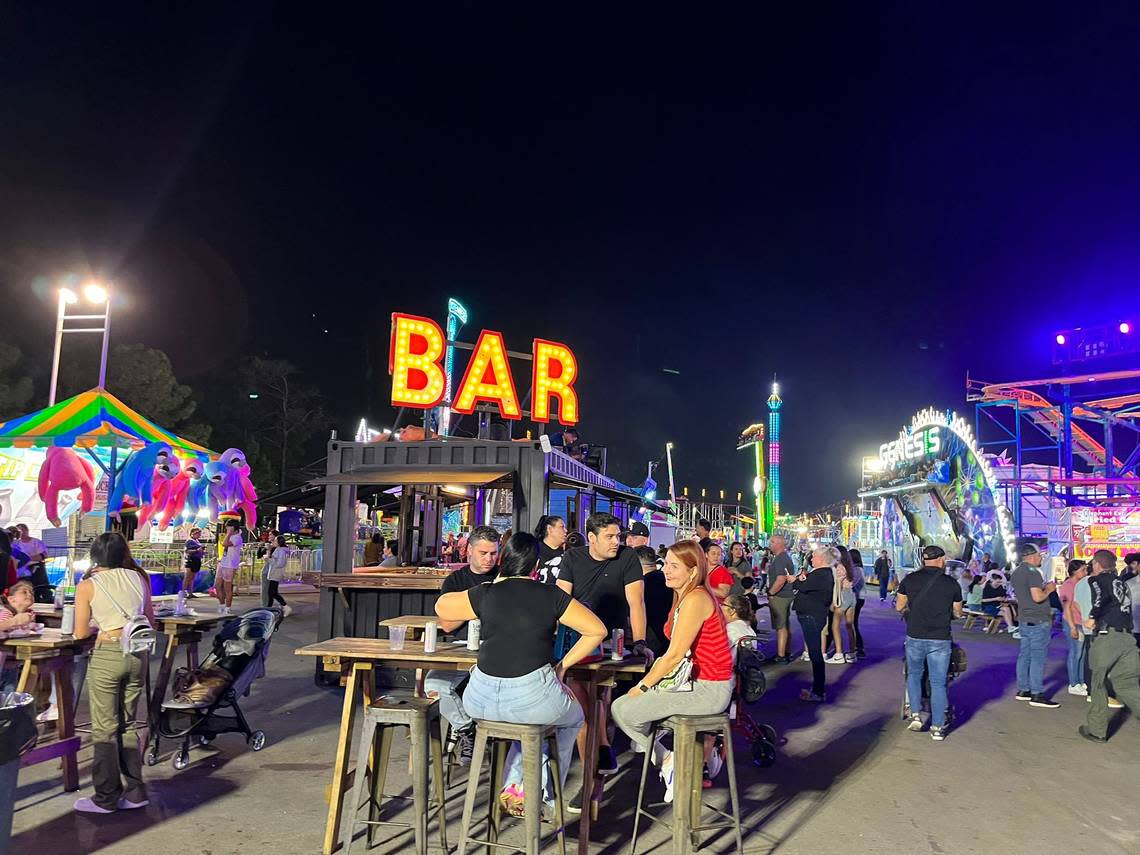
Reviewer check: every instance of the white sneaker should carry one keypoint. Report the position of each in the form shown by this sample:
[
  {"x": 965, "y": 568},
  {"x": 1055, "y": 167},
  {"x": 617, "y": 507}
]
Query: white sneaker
[
  {"x": 127, "y": 804},
  {"x": 667, "y": 776},
  {"x": 849, "y": 658},
  {"x": 715, "y": 764},
  {"x": 1078, "y": 689},
  {"x": 836, "y": 659},
  {"x": 50, "y": 714},
  {"x": 915, "y": 723},
  {"x": 287, "y": 610},
  {"x": 806, "y": 657},
  {"x": 85, "y": 805}
]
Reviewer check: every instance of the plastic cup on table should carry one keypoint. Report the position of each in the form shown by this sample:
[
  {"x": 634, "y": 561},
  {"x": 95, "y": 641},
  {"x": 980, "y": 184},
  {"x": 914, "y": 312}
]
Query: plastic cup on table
[{"x": 396, "y": 635}]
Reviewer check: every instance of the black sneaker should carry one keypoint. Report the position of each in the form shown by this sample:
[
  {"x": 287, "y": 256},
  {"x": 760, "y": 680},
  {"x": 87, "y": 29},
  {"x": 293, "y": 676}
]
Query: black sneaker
[
  {"x": 1089, "y": 735},
  {"x": 575, "y": 803},
  {"x": 1023, "y": 696},
  {"x": 859, "y": 654},
  {"x": 607, "y": 762},
  {"x": 1043, "y": 702},
  {"x": 465, "y": 742}
]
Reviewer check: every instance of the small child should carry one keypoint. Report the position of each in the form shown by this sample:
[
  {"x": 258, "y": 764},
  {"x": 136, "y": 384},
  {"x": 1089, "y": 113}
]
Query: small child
[{"x": 15, "y": 611}]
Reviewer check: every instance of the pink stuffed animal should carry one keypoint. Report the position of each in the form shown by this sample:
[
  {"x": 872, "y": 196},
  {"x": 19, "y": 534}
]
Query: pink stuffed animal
[{"x": 63, "y": 469}]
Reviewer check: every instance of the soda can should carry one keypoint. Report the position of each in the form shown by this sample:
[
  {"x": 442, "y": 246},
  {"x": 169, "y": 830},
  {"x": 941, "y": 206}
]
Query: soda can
[
  {"x": 473, "y": 628},
  {"x": 67, "y": 625},
  {"x": 431, "y": 632},
  {"x": 618, "y": 640}
]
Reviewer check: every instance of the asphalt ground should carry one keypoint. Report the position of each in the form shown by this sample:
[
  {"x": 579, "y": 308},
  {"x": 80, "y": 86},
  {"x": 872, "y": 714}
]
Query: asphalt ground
[{"x": 849, "y": 777}]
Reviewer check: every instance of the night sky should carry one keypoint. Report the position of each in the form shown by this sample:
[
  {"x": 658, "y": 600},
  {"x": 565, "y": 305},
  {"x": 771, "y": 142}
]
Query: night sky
[{"x": 867, "y": 200}]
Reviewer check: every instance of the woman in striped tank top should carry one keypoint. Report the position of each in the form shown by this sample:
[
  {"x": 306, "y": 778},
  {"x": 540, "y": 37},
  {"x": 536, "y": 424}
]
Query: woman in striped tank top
[{"x": 695, "y": 625}]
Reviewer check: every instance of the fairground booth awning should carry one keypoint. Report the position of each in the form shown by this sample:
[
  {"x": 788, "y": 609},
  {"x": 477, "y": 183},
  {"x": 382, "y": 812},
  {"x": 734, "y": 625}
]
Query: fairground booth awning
[{"x": 91, "y": 419}]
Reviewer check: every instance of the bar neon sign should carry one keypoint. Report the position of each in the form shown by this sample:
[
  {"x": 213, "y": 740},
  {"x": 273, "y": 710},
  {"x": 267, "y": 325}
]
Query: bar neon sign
[{"x": 416, "y": 352}]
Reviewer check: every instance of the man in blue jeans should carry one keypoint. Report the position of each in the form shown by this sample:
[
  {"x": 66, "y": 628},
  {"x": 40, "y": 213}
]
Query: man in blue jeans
[
  {"x": 1035, "y": 615},
  {"x": 929, "y": 599}
]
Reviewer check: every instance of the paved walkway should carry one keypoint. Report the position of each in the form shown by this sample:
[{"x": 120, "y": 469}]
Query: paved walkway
[{"x": 850, "y": 779}]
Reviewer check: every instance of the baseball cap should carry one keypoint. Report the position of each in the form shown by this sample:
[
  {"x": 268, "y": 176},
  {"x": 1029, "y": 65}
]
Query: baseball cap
[
  {"x": 930, "y": 553},
  {"x": 639, "y": 529},
  {"x": 1028, "y": 549}
]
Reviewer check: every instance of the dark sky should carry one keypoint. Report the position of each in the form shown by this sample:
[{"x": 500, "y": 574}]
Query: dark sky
[{"x": 868, "y": 200}]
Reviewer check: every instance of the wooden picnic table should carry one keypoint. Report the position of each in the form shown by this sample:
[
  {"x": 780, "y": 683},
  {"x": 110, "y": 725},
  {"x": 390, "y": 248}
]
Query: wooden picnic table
[
  {"x": 363, "y": 654},
  {"x": 53, "y": 654}
]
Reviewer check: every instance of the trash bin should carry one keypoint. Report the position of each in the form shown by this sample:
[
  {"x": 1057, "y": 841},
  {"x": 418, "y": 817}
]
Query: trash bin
[{"x": 17, "y": 735}]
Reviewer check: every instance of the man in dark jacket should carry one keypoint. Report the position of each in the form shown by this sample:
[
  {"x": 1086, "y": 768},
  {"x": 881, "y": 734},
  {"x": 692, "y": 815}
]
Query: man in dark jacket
[
  {"x": 814, "y": 592},
  {"x": 1112, "y": 653}
]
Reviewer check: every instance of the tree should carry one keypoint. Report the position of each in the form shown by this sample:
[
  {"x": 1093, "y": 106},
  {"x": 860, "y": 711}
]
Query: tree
[
  {"x": 15, "y": 384},
  {"x": 143, "y": 379}
]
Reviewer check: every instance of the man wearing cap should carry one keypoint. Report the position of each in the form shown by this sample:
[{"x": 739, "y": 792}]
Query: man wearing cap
[
  {"x": 1112, "y": 654},
  {"x": 638, "y": 535},
  {"x": 1035, "y": 616},
  {"x": 929, "y": 600}
]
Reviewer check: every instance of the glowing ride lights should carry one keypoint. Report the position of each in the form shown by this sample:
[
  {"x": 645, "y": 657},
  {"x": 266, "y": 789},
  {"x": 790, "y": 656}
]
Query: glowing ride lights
[
  {"x": 418, "y": 379},
  {"x": 922, "y": 439},
  {"x": 560, "y": 385},
  {"x": 774, "y": 405},
  {"x": 488, "y": 378}
]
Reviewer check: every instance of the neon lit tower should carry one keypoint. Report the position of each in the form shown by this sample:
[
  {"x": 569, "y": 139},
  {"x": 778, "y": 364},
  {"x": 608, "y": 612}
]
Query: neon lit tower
[
  {"x": 456, "y": 317},
  {"x": 774, "y": 405}
]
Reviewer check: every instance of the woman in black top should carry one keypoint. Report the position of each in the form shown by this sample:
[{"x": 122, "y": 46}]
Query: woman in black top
[{"x": 514, "y": 679}]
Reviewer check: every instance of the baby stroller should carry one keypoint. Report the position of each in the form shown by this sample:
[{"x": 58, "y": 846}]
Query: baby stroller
[
  {"x": 957, "y": 666},
  {"x": 198, "y": 696},
  {"x": 750, "y": 687}
]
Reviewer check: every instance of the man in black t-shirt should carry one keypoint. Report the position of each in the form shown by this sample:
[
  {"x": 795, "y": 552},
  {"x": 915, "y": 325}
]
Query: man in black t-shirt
[
  {"x": 482, "y": 551},
  {"x": 929, "y": 599},
  {"x": 606, "y": 577}
]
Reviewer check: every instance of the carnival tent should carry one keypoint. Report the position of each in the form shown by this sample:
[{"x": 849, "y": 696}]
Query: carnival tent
[{"x": 91, "y": 419}]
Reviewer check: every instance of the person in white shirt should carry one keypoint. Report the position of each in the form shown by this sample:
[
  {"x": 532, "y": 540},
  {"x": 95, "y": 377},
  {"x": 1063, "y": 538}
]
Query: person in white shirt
[
  {"x": 228, "y": 565},
  {"x": 275, "y": 572}
]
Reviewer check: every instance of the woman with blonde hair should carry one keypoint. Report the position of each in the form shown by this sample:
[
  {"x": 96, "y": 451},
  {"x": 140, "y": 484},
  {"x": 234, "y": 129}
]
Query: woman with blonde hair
[{"x": 696, "y": 632}]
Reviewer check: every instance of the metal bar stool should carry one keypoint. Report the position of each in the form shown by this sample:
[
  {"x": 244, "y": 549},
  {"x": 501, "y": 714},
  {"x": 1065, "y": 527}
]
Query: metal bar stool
[
  {"x": 500, "y": 735},
  {"x": 421, "y": 717},
  {"x": 688, "y": 759}
]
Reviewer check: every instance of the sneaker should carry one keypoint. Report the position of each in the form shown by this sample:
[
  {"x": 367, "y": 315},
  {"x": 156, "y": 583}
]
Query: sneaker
[
  {"x": 859, "y": 654},
  {"x": 1090, "y": 736},
  {"x": 937, "y": 733},
  {"x": 1078, "y": 689},
  {"x": 607, "y": 763},
  {"x": 1043, "y": 702},
  {"x": 85, "y": 805},
  {"x": 575, "y": 803},
  {"x": 1113, "y": 703},
  {"x": 667, "y": 776},
  {"x": 127, "y": 804},
  {"x": 1023, "y": 696},
  {"x": 849, "y": 658},
  {"x": 715, "y": 764},
  {"x": 465, "y": 743},
  {"x": 915, "y": 723},
  {"x": 811, "y": 697},
  {"x": 836, "y": 659},
  {"x": 806, "y": 657},
  {"x": 50, "y": 714},
  {"x": 287, "y": 610}
]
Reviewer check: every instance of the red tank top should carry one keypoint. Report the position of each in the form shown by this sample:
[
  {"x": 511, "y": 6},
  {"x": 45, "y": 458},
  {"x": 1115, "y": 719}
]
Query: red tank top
[{"x": 712, "y": 655}]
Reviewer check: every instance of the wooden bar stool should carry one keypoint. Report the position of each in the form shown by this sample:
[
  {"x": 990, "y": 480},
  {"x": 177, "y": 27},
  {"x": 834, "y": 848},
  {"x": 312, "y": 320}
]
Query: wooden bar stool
[
  {"x": 688, "y": 759},
  {"x": 421, "y": 717},
  {"x": 500, "y": 735}
]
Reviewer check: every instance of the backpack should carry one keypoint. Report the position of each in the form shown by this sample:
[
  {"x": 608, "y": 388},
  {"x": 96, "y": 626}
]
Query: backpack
[
  {"x": 137, "y": 635},
  {"x": 750, "y": 676}
]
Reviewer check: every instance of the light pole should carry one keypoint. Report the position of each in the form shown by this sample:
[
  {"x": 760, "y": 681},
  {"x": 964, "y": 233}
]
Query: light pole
[
  {"x": 96, "y": 295},
  {"x": 456, "y": 318}
]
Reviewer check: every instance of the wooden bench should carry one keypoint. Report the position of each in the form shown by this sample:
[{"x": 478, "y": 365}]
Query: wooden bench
[{"x": 990, "y": 623}]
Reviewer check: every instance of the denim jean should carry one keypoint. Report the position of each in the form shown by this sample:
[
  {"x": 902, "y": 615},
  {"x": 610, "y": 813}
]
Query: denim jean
[
  {"x": 932, "y": 656},
  {"x": 535, "y": 698},
  {"x": 1031, "y": 657},
  {"x": 446, "y": 684},
  {"x": 811, "y": 627},
  {"x": 1075, "y": 661}
]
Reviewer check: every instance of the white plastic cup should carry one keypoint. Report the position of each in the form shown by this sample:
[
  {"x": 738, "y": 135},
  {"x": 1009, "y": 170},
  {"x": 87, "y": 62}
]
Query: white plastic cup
[
  {"x": 67, "y": 624},
  {"x": 396, "y": 636}
]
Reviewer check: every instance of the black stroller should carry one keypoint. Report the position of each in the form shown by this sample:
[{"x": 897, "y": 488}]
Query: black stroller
[
  {"x": 957, "y": 668},
  {"x": 198, "y": 696}
]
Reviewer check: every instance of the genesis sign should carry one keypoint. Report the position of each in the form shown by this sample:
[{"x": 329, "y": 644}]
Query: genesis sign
[{"x": 923, "y": 444}]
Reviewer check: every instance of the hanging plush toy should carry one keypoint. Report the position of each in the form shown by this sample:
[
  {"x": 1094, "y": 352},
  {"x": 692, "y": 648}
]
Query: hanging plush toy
[
  {"x": 136, "y": 478},
  {"x": 160, "y": 485},
  {"x": 63, "y": 469},
  {"x": 187, "y": 490},
  {"x": 230, "y": 488}
]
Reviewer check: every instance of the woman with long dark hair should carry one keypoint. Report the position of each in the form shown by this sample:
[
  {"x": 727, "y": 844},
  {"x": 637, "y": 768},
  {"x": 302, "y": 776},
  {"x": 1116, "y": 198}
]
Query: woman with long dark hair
[
  {"x": 551, "y": 534},
  {"x": 860, "y": 583},
  {"x": 695, "y": 628},
  {"x": 513, "y": 679},
  {"x": 115, "y": 590}
]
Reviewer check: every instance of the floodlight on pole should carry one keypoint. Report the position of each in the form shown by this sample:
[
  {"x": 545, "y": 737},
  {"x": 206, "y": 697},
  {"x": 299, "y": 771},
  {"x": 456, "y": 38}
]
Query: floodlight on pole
[{"x": 95, "y": 294}]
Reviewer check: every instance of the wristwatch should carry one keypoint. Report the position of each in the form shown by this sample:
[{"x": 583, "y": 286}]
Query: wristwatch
[{"x": 644, "y": 688}]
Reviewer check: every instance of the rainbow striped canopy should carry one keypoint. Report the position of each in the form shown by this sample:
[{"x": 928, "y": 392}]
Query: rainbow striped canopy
[{"x": 92, "y": 419}]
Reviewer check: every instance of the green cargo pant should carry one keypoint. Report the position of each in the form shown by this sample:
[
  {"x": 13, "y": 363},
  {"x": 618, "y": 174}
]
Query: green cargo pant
[
  {"x": 114, "y": 683},
  {"x": 1113, "y": 656}
]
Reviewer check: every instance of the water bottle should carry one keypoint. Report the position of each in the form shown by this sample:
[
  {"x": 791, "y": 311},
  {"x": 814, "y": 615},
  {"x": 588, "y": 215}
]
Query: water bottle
[
  {"x": 473, "y": 628},
  {"x": 58, "y": 602},
  {"x": 618, "y": 640},
  {"x": 67, "y": 626},
  {"x": 180, "y": 603},
  {"x": 431, "y": 632}
]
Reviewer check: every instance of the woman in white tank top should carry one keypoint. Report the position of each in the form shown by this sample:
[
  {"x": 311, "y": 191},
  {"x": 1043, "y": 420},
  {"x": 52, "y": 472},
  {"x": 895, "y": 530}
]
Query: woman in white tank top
[{"x": 115, "y": 592}]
